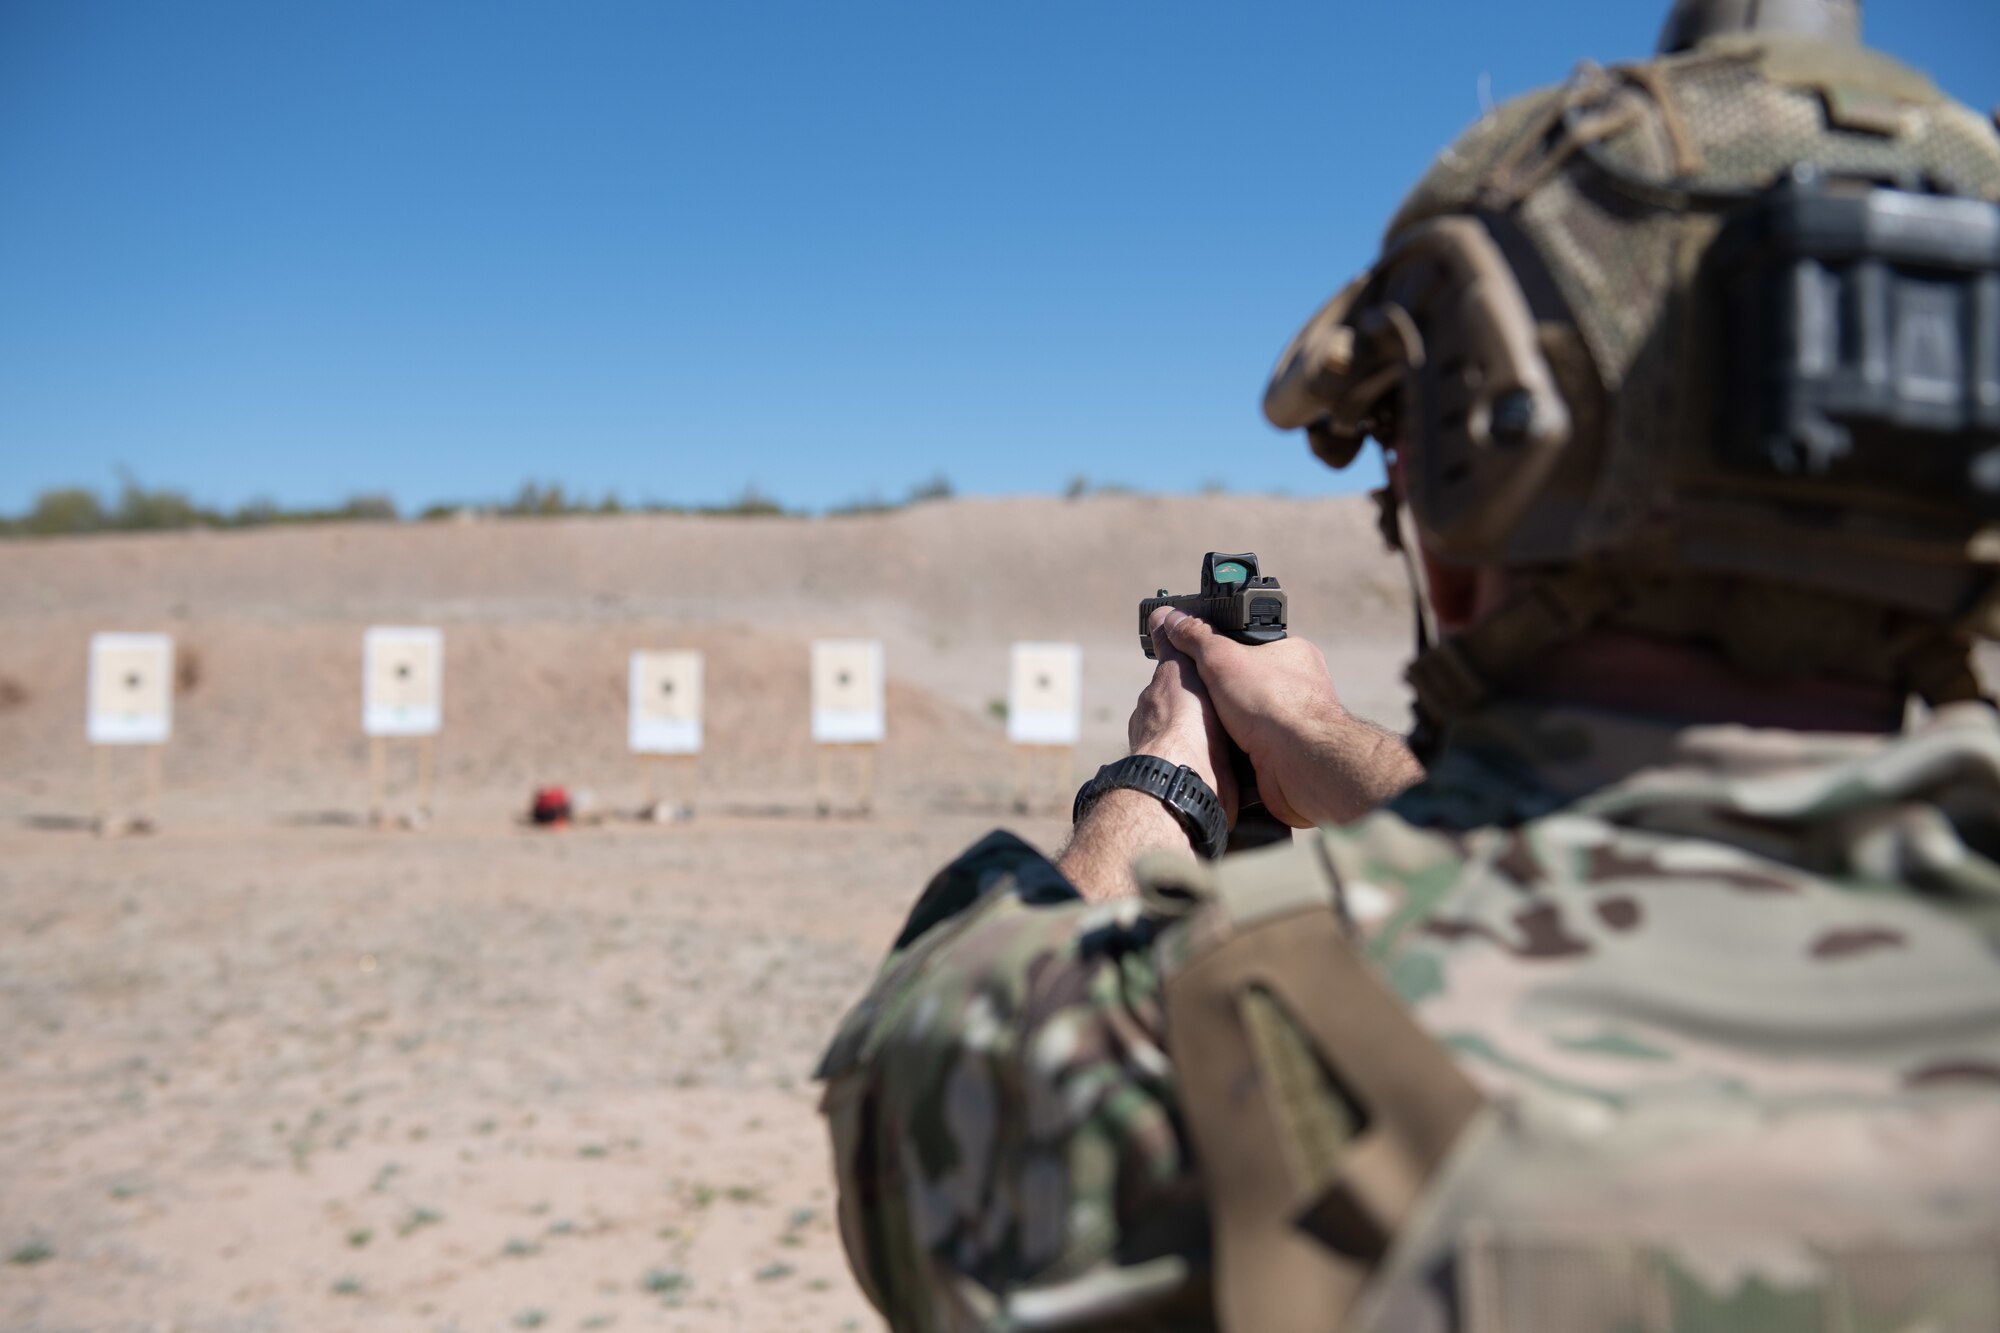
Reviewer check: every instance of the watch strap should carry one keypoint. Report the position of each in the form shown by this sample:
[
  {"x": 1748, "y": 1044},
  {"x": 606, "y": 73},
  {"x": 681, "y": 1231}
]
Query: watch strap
[{"x": 1176, "y": 786}]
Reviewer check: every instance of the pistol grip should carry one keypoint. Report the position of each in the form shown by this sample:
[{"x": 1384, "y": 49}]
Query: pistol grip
[{"x": 1255, "y": 825}]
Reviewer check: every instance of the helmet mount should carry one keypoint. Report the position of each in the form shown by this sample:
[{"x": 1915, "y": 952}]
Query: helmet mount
[{"x": 1695, "y": 21}]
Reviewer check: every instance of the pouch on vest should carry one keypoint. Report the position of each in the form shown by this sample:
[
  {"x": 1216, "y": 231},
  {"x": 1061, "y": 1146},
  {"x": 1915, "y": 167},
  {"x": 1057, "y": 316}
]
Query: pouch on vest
[{"x": 1318, "y": 1108}]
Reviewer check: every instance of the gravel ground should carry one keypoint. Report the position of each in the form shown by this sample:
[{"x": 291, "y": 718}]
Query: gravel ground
[{"x": 470, "y": 1078}]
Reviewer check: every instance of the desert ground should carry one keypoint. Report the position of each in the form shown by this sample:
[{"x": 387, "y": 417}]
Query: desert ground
[{"x": 270, "y": 1067}]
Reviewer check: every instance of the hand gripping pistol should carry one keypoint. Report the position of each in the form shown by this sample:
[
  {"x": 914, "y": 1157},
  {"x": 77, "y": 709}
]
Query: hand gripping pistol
[{"x": 1235, "y": 600}]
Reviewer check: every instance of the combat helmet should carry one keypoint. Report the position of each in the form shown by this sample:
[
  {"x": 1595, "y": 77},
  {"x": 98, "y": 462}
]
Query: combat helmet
[{"x": 1706, "y": 347}]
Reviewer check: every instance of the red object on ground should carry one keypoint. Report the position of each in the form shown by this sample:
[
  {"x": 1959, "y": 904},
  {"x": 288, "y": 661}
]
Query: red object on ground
[{"x": 551, "y": 806}]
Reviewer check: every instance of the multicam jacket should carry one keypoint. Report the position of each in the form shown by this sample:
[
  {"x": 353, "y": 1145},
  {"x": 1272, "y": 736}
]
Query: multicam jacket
[{"x": 1606, "y": 1026}]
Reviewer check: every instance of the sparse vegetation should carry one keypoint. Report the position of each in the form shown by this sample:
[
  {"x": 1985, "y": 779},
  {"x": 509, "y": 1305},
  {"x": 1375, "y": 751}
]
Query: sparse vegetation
[
  {"x": 661, "y": 1281},
  {"x": 1081, "y": 487},
  {"x": 77, "y": 510},
  {"x": 417, "y": 1220},
  {"x": 71, "y": 510},
  {"x": 797, "y": 1222},
  {"x": 937, "y": 488},
  {"x": 33, "y": 1251},
  {"x": 872, "y": 503}
]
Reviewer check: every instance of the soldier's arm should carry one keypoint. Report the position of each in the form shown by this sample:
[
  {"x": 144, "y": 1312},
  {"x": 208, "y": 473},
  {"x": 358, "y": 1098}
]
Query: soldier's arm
[
  {"x": 1316, "y": 762},
  {"x": 1003, "y": 1114},
  {"x": 1174, "y": 721},
  {"x": 1123, "y": 826}
]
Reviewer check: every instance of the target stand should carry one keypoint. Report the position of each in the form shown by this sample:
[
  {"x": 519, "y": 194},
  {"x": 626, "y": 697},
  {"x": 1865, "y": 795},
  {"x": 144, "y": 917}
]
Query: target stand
[
  {"x": 846, "y": 774},
  {"x": 145, "y": 818},
  {"x": 849, "y": 721},
  {"x": 672, "y": 799},
  {"x": 402, "y": 699},
  {"x": 1043, "y": 773},
  {"x": 664, "y": 729},
  {"x": 131, "y": 706},
  {"x": 1044, "y": 719},
  {"x": 379, "y": 789}
]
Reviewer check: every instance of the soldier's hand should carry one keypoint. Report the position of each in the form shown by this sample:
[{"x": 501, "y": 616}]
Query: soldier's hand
[
  {"x": 1316, "y": 763},
  {"x": 1175, "y": 721}
]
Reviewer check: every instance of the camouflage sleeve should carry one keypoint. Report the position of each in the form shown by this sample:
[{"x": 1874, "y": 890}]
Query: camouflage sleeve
[{"x": 1005, "y": 1134}]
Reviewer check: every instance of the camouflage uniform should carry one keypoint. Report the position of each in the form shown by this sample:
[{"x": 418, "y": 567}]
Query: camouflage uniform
[{"x": 1730, "y": 1000}]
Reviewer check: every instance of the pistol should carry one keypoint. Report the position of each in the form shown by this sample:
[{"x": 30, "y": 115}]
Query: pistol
[
  {"x": 1250, "y": 608},
  {"x": 1233, "y": 600}
]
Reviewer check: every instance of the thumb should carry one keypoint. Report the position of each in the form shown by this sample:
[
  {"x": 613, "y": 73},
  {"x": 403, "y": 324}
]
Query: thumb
[{"x": 1192, "y": 635}]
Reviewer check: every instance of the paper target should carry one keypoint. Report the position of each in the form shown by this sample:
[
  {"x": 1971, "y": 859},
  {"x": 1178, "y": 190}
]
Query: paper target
[
  {"x": 1045, "y": 694},
  {"x": 131, "y": 689},
  {"x": 847, "y": 692},
  {"x": 402, "y": 681},
  {"x": 665, "y": 703}
]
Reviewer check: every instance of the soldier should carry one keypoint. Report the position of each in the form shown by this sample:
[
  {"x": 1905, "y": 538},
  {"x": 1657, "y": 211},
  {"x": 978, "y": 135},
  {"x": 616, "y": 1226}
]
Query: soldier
[{"x": 1668, "y": 998}]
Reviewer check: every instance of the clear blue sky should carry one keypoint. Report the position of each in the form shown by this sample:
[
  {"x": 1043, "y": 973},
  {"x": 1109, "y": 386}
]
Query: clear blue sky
[{"x": 303, "y": 250}]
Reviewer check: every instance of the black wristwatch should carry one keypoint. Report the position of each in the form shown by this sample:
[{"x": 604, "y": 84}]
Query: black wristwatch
[{"x": 1177, "y": 786}]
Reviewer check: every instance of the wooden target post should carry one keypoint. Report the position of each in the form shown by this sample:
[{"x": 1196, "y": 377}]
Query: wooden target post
[
  {"x": 683, "y": 781},
  {"x": 131, "y": 704},
  {"x": 858, "y": 761},
  {"x": 1044, "y": 717},
  {"x": 102, "y": 801},
  {"x": 402, "y": 698},
  {"x": 849, "y": 720},
  {"x": 378, "y": 777},
  {"x": 1043, "y": 771}
]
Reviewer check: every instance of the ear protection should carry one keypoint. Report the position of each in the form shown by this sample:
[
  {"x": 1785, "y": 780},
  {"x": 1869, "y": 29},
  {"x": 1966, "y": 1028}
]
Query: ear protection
[{"x": 1434, "y": 352}]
